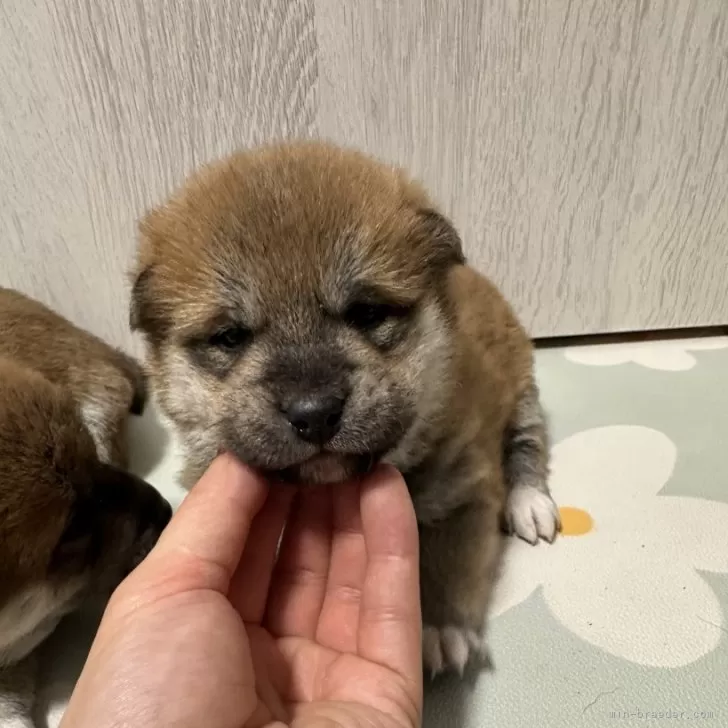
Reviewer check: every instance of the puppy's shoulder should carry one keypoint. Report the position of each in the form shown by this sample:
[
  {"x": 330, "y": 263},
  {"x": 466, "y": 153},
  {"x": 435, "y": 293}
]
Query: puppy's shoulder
[{"x": 489, "y": 331}]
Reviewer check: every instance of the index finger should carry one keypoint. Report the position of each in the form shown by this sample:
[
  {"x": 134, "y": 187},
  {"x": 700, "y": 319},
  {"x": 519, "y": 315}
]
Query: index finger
[
  {"x": 390, "y": 622},
  {"x": 208, "y": 533}
]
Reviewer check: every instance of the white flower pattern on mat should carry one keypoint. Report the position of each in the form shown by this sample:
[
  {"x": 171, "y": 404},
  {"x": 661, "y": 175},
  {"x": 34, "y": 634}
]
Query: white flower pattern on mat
[
  {"x": 624, "y": 573},
  {"x": 669, "y": 356}
]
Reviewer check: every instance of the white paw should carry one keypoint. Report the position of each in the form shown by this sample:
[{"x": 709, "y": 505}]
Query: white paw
[
  {"x": 532, "y": 514},
  {"x": 451, "y": 648}
]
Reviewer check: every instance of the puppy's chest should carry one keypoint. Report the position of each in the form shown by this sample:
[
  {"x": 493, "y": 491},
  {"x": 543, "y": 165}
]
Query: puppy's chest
[
  {"x": 29, "y": 616},
  {"x": 445, "y": 482}
]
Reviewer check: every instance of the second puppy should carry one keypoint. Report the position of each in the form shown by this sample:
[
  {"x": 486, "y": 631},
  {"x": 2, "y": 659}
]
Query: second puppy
[{"x": 71, "y": 526}]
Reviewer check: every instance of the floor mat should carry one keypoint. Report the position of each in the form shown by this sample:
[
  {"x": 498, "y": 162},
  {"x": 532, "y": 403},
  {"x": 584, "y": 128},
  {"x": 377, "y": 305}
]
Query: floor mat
[{"x": 622, "y": 621}]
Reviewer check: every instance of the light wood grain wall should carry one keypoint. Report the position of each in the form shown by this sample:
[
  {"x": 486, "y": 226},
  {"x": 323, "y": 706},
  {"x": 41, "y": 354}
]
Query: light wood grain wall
[{"x": 581, "y": 146}]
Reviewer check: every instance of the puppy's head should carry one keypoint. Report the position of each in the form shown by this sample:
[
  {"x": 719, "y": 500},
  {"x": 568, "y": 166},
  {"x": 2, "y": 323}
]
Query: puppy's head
[
  {"x": 66, "y": 519},
  {"x": 293, "y": 300}
]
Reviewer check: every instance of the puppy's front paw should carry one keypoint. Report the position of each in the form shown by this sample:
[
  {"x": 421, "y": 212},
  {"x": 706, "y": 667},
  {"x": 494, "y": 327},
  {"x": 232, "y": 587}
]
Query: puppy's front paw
[
  {"x": 451, "y": 648},
  {"x": 532, "y": 514}
]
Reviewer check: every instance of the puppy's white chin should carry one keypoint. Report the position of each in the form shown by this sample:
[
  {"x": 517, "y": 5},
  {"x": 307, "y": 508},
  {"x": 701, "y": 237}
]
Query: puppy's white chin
[{"x": 324, "y": 469}]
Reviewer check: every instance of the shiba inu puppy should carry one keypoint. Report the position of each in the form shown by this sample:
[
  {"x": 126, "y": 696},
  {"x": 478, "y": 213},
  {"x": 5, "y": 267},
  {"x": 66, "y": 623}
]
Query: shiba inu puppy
[
  {"x": 307, "y": 308},
  {"x": 71, "y": 525}
]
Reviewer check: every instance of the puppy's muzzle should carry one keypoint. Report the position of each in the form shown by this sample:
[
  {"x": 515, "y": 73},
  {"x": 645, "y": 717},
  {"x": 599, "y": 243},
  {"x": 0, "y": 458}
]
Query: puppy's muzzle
[
  {"x": 132, "y": 498},
  {"x": 152, "y": 522}
]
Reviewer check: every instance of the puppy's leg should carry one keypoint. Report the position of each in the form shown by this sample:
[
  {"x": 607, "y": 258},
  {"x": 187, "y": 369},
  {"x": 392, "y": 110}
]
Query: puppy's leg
[
  {"x": 459, "y": 558},
  {"x": 17, "y": 693},
  {"x": 530, "y": 511}
]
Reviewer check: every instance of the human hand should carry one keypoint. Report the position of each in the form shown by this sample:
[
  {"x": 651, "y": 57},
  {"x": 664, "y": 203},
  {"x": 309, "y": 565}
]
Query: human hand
[{"x": 211, "y": 630}]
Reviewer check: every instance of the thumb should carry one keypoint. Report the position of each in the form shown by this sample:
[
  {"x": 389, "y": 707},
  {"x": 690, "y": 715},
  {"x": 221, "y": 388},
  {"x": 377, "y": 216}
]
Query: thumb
[{"x": 203, "y": 543}]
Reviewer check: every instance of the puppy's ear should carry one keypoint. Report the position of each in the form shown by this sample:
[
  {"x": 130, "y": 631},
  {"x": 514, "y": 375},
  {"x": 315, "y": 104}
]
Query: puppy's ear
[
  {"x": 145, "y": 314},
  {"x": 139, "y": 302},
  {"x": 443, "y": 247},
  {"x": 147, "y": 311}
]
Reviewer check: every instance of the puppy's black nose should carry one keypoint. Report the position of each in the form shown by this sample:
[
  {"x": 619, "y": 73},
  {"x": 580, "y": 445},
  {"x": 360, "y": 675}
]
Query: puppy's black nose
[{"x": 315, "y": 418}]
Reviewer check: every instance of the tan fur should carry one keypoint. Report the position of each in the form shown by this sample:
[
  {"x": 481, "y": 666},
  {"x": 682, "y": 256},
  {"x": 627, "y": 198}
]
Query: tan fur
[
  {"x": 280, "y": 243},
  {"x": 105, "y": 383},
  {"x": 49, "y": 468},
  {"x": 71, "y": 526}
]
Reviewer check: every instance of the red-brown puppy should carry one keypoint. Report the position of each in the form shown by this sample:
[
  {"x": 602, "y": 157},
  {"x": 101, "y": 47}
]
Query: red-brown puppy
[
  {"x": 307, "y": 308},
  {"x": 71, "y": 526}
]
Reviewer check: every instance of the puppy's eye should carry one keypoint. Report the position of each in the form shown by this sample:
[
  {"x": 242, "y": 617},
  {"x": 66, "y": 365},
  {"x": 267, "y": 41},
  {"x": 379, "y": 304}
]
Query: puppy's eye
[
  {"x": 367, "y": 316},
  {"x": 230, "y": 338}
]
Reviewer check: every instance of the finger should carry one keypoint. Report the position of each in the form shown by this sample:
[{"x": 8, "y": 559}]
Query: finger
[
  {"x": 299, "y": 578},
  {"x": 390, "y": 625},
  {"x": 339, "y": 620},
  {"x": 251, "y": 581},
  {"x": 202, "y": 545}
]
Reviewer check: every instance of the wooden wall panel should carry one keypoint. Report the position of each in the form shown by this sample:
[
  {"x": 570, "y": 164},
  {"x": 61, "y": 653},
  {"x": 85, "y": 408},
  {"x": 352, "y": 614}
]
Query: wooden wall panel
[
  {"x": 580, "y": 146},
  {"x": 104, "y": 107}
]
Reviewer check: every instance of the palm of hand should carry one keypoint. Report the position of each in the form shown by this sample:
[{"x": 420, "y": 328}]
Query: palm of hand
[
  {"x": 300, "y": 681},
  {"x": 326, "y": 645}
]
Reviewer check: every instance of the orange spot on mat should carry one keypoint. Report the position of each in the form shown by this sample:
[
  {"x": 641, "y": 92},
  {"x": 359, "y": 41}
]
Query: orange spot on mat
[{"x": 575, "y": 521}]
